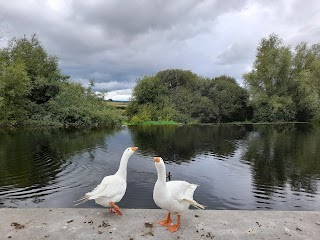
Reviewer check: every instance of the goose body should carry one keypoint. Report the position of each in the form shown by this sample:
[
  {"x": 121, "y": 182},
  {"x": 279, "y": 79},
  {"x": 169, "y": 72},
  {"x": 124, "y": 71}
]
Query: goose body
[
  {"x": 113, "y": 187},
  {"x": 174, "y": 196}
]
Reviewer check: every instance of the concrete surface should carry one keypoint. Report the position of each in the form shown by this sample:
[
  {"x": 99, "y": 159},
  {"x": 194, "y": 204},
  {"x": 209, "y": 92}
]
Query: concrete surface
[{"x": 77, "y": 223}]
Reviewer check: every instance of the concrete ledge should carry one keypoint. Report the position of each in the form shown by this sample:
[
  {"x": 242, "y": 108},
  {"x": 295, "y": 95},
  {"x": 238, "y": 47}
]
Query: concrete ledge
[{"x": 77, "y": 223}]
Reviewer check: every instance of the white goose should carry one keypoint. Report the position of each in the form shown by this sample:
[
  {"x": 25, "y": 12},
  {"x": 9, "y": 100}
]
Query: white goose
[
  {"x": 113, "y": 187},
  {"x": 174, "y": 196}
]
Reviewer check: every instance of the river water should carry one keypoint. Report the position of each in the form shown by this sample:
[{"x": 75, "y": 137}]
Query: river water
[{"x": 235, "y": 166}]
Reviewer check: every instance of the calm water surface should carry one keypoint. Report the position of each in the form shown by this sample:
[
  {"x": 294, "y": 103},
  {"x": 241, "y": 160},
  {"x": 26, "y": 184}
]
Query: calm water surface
[{"x": 237, "y": 167}]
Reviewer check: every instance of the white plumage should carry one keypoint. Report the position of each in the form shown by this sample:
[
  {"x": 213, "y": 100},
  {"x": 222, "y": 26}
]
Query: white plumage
[
  {"x": 112, "y": 188},
  {"x": 174, "y": 196}
]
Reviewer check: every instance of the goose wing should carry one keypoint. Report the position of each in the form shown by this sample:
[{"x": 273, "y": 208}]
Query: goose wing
[
  {"x": 181, "y": 189},
  {"x": 110, "y": 186}
]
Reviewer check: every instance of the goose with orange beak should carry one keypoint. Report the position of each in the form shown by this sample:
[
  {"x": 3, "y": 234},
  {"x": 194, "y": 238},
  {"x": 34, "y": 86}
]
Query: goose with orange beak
[
  {"x": 173, "y": 196},
  {"x": 113, "y": 187}
]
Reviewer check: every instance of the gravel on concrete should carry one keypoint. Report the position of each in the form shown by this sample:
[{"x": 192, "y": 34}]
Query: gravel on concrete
[{"x": 80, "y": 223}]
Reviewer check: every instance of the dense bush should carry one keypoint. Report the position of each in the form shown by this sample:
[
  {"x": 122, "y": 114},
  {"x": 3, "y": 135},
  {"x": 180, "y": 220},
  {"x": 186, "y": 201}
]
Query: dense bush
[
  {"x": 183, "y": 96},
  {"x": 33, "y": 91}
]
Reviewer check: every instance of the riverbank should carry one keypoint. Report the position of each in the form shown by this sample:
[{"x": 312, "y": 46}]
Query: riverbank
[{"x": 77, "y": 223}]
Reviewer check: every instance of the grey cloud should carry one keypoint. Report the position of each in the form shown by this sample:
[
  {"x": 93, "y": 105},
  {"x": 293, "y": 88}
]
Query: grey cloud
[
  {"x": 302, "y": 11},
  {"x": 116, "y": 42},
  {"x": 139, "y": 17},
  {"x": 235, "y": 54}
]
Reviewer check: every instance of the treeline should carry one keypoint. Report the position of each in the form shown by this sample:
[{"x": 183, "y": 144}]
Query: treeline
[
  {"x": 34, "y": 91},
  {"x": 183, "y": 96},
  {"x": 284, "y": 85}
]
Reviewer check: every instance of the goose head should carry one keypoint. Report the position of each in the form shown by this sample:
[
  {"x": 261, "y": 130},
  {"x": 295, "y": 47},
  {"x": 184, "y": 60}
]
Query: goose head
[
  {"x": 158, "y": 161},
  {"x": 161, "y": 168},
  {"x": 127, "y": 154},
  {"x": 129, "y": 151}
]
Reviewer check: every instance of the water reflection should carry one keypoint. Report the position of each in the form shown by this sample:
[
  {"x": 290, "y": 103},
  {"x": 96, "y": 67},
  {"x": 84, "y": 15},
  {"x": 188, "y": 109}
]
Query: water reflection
[
  {"x": 32, "y": 160},
  {"x": 237, "y": 167},
  {"x": 182, "y": 143},
  {"x": 281, "y": 157}
]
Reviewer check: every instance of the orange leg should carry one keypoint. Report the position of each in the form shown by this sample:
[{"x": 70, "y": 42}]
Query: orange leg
[
  {"x": 175, "y": 227},
  {"x": 166, "y": 222},
  {"x": 114, "y": 208}
]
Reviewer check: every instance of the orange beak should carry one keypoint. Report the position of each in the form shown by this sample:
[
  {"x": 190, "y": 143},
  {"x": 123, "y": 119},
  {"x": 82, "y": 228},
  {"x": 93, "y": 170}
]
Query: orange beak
[
  {"x": 157, "y": 159},
  {"x": 134, "y": 148}
]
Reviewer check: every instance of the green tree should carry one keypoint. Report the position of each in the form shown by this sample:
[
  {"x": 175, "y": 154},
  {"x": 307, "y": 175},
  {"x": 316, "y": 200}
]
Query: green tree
[
  {"x": 284, "y": 84},
  {"x": 271, "y": 69},
  {"x": 174, "y": 79},
  {"x": 33, "y": 90},
  {"x": 149, "y": 102},
  {"x": 78, "y": 106},
  {"x": 231, "y": 100},
  {"x": 41, "y": 68},
  {"x": 184, "y": 92},
  {"x": 14, "y": 89},
  {"x": 150, "y": 90},
  {"x": 306, "y": 77},
  {"x": 183, "y": 96}
]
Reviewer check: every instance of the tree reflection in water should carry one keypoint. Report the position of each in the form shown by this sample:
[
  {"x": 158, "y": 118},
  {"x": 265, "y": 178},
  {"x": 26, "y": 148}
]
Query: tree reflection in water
[
  {"x": 237, "y": 166},
  {"x": 284, "y": 154},
  {"x": 283, "y": 158},
  {"x": 31, "y": 160},
  {"x": 182, "y": 143}
]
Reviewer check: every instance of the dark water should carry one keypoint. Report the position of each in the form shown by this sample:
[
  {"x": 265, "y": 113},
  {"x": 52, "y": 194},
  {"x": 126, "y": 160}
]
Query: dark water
[{"x": 237, "y": 167}]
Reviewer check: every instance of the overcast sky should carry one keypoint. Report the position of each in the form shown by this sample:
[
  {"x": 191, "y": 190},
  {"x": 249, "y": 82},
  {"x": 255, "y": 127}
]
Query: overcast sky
[{"x": 115, "y": 42}]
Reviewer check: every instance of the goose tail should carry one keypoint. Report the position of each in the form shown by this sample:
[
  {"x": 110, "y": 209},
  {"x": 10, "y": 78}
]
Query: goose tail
[
  {"x": 81, "y": 200},
  {"x": 193, "y": 203}
]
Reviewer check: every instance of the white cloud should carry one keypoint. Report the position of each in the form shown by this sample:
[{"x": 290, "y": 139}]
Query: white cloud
[{"x": 119, "y": 95}]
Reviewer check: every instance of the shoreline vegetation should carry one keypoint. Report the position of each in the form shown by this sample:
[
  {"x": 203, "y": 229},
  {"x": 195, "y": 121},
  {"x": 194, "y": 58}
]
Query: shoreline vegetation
[
  {"x": 230, "y": 123},
  {"x": 282, "y": 87}
]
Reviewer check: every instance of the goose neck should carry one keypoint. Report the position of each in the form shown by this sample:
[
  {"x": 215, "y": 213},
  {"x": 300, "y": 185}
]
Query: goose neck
[
  {"x": 161, "y": 173},
  {"x": 122, "y": 171}
]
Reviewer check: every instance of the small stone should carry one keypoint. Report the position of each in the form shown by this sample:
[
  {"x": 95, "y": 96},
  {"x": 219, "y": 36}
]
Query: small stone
[
  {"x": 104, "y": 224},
  {"x": 17, "y": 226},
  {"x": 148, "y": 225}
]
